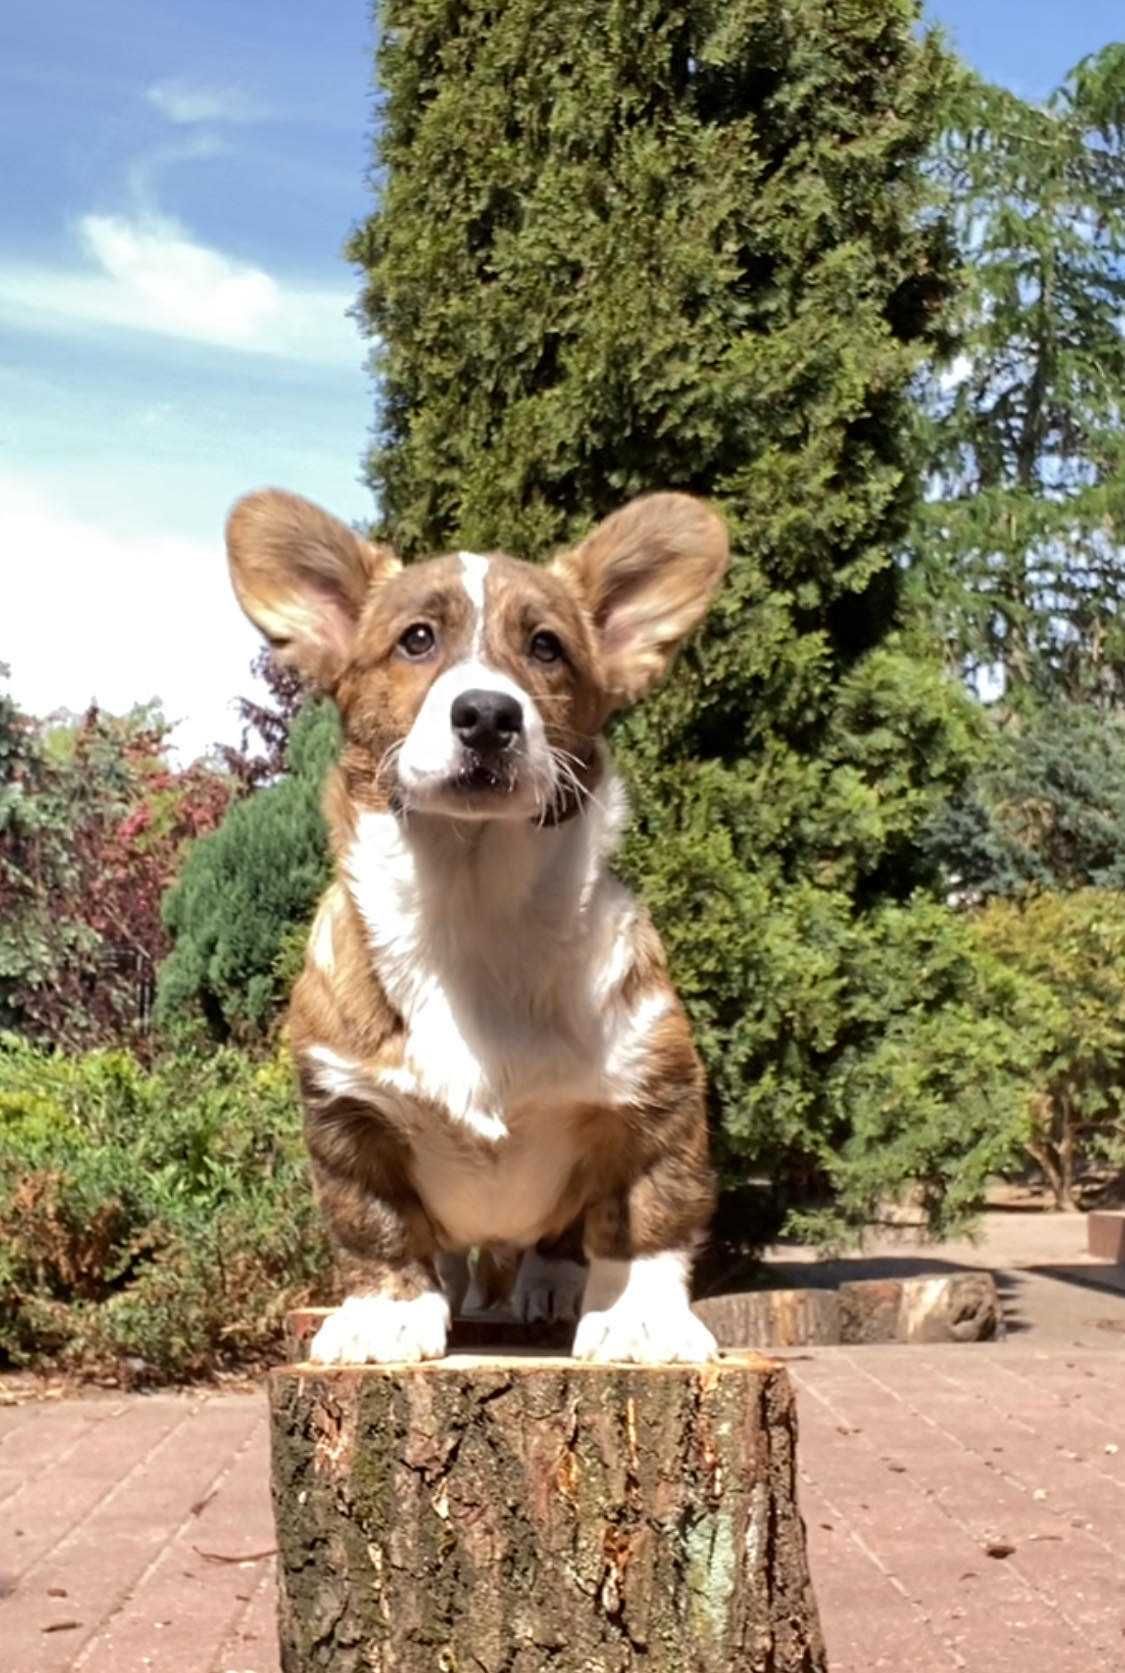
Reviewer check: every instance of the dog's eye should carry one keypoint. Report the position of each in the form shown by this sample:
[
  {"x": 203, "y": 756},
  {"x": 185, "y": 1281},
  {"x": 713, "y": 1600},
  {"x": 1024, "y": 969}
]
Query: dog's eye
[
  {"x": 545, "y": 647},
  {"x": 418, "y": 640}
]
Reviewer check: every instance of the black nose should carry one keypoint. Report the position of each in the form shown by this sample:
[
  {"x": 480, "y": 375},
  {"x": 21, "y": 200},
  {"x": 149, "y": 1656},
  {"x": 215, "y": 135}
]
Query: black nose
[{"x": 487, "y": 720}]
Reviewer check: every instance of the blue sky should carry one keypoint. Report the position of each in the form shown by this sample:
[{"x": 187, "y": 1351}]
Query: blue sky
[
  {"x": 179, "y": 177},
  {"x": 1028, "y": 44}
]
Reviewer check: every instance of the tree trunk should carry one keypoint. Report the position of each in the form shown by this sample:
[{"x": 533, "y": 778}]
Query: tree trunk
[
  {"x": 1041, "y": 1148},
  {"x": 1068, "y": 1154},
  {"x": 521, "y": 1514}
]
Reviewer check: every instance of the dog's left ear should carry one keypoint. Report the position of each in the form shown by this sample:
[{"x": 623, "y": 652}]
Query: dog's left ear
[{"x": 645, "y": 578}]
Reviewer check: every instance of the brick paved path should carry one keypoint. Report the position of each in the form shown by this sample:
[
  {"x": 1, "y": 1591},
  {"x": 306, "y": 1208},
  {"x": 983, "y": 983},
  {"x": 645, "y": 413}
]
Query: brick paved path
[
  {"x": 105, "y": 1509},
  {"x": 914, "y": 1461}
]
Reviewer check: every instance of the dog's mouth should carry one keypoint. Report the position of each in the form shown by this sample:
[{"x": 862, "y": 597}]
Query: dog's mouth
[
  {"x": 484, "y": 775},
  {"x": 476, "y": 785}
]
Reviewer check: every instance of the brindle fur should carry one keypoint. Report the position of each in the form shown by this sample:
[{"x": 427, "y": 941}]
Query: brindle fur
[{"x": 644, "y": 1183}]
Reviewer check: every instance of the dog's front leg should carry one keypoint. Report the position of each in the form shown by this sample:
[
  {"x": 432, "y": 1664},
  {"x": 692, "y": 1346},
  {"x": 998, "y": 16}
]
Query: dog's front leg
[
  {"x": 640, "y": 1240},
  {"x": 393, "y": 1316},
  {"x": 639, "y": 1310},
  {"x": 396, "y": 1310}
]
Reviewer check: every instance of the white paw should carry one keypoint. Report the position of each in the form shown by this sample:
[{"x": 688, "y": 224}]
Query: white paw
[
  {"x": 378, "y": 1330},
  {"x": 548, "y": 1290},
  {"x": 639, "y": 1311},
  {"x": 623, "y": 1333}
]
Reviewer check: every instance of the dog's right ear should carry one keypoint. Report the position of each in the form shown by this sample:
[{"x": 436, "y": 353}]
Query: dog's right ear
[{"x": 303, "y": 578}]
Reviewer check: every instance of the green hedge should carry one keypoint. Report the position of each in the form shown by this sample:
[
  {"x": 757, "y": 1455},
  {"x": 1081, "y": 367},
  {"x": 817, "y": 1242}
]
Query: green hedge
[{"x": 154, "y": 1223}]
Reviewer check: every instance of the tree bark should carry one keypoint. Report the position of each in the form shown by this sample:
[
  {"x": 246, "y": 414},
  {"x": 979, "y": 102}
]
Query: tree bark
[
  {"x": 772, "y": 1318},
  {"x": 536, "y": 1515}
]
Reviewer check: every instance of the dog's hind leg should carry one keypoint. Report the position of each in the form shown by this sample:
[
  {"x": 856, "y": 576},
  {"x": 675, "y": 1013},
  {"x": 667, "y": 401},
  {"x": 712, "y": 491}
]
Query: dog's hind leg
[
  {"x": 492, "y": 1273},
  {"x": 551, "y": 1279},
  {"x": 453, "y": 1276}
]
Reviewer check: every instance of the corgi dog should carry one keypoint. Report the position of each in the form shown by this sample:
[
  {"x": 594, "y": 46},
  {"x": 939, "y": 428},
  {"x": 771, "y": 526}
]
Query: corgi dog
[{"x": 490, "y": 1053}]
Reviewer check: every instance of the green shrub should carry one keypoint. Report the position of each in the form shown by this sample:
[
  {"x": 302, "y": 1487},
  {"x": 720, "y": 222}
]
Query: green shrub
[
  {"x": 1069, "y": 952},
  {"x": 1044, "y": 810},
  {"x": 1002, "y": 1038},
  {"x": 932, "y": 1102},
  {"x": 246, "y": 891},
  {"x": 158, "y": 1216}
]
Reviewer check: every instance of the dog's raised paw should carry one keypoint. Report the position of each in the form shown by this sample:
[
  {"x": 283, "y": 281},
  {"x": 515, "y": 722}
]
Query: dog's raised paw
[
  {"x": 625, "y": 1333},
  {"x": 382, "y": 1330}
]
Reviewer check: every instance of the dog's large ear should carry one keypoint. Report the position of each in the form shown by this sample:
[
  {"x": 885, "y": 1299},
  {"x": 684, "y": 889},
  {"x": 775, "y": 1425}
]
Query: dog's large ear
[
  {"x": 303, "y": 578},
  {"x": 645, "y": 578}
]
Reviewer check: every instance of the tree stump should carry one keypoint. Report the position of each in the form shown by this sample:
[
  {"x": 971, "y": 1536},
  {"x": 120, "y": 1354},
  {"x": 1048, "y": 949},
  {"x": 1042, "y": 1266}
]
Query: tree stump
[
  {"x": 772, "y": 1318},
  {"x": 492, "y": 1514}
]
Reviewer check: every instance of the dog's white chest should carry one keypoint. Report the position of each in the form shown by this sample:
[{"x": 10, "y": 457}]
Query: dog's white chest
[
  {"x": 504, "y": 1192},
  {"x": 489, "y": 961},
  {"x": 506, "y": 969},
  {"x": 485, "y": 1063}
]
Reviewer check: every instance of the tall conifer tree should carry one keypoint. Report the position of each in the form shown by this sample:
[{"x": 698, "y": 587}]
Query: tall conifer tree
[
  {"x": 1020, "y": 542},
  {"x": 643, "y": 245}
]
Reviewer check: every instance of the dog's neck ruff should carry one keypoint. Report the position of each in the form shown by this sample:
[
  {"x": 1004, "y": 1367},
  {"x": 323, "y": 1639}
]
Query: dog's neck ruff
[{"x": 428, "y": 879}]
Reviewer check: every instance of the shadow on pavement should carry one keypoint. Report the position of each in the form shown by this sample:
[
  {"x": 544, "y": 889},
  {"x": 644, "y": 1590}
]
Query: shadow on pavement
[{"x": 1109, "y": 1279}]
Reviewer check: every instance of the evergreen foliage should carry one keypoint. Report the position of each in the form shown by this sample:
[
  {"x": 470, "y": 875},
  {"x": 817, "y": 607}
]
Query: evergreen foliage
[
  {"x": 247, "y": 890},
  {"x": 1020, "y": 542},
  {"x": 937, "y": 1094},
  {"x": 637, "y": 246},
  {"x": 1046, "y": 810}
]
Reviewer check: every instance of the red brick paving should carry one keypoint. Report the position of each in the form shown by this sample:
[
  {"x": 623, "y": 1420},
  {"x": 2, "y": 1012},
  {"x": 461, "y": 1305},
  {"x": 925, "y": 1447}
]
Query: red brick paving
[
  {"x": 102, "y": 1542},
  {"x": 913, "y": 1461}
]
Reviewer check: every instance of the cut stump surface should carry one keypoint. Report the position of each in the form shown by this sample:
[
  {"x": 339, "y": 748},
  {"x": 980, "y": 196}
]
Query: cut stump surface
[{"x": 492, "y": 1514}]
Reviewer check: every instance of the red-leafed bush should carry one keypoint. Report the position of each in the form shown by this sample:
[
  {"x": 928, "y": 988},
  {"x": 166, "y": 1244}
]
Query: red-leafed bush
[{"x": 94, "y": 824}]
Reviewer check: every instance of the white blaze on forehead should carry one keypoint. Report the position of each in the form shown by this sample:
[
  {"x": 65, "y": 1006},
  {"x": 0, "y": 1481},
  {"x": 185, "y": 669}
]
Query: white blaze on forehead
[
  {"x": 474, "y": 568},
  {"x": 474, "y": 573}
]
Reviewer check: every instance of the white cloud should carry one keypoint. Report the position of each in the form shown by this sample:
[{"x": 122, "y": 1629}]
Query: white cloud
[
  {"x": 145, "y": 272},
  {"x": 146, "y": 173},
  {"x": 90, "y": 613},
  {"x": 178, "y": 284},
  {"x": 179, "y": 101}
]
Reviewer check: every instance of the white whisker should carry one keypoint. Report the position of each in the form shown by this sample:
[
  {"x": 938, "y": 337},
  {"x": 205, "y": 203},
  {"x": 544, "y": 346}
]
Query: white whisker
[
  {"x": 388, "y": 759},
  {"x": 567, "y": 773}
]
